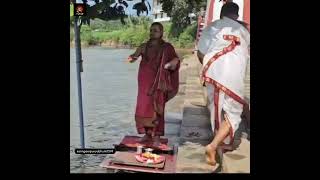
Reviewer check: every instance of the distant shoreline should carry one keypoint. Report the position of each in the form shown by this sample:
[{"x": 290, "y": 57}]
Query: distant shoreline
[
  {"x": 107, "y": 44},
  {"x": 114, "y": 45}
]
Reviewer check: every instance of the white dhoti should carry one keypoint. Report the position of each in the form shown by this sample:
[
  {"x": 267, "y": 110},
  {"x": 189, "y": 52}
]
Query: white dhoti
[
  {"x": 229, "y": 106},
  {"x": 225, "y": 45}
]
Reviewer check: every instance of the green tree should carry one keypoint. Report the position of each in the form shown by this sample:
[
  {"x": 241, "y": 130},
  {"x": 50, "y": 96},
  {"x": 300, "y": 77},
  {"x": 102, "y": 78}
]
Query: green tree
[
  {"x": 179, "y": 11},
  {"x": 102, "y": 10}
]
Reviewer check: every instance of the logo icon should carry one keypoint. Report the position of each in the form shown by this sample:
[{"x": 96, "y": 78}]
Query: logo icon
[{"x": 80, "y": 9}]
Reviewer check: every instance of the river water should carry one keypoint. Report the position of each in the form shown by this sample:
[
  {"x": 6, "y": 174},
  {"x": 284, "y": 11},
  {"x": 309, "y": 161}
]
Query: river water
[{"x": 109, "y": 96}]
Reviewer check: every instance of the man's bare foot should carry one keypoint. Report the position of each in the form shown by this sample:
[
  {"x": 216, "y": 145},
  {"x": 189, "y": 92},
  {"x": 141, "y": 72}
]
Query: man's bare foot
[
  {"x": 156, "y": 141},
  {"x": 145, "y": 138},
  {"x": 211, "y": 155}
]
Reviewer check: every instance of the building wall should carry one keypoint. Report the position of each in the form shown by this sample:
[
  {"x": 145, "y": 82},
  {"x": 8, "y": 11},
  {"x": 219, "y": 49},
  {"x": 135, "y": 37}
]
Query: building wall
[{"x": 158, "y": 14}]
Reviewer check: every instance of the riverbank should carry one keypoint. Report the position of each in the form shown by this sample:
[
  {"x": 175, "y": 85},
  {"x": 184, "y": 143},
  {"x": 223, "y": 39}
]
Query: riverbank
[
  {"x": 116, "y": 35},
  {"x": 182, "y": 52},
  {"x": 105, "y": 44}
]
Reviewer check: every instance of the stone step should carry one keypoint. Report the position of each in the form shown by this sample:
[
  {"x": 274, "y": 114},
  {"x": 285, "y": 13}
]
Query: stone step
[
  {"x": 193, "y": 77},
  {"x": 193, "y": 72},
  {"x": 173, "y": 117},
  {"x": 172, "y": 139},
  {"x": 196, "y": 86},
  {"x": 195, "y": 96},
  {"x": 172, "y": 129},
  {"x": 195, "y": 110},
  {"x": 193, "y": 80},
  {"x": 191, "y": 84},
  {"x": 173, "y": 121},
  {"x": 237, "y": 161},
  {"x": 195, "y": 120},
  {"x": 196, "y": 101},
  {"x": 195, "y": 134},
  {"x": 182, "y": 88},
  {"x": 194, "y": 91},
  {"x": 191, "y": 159}
]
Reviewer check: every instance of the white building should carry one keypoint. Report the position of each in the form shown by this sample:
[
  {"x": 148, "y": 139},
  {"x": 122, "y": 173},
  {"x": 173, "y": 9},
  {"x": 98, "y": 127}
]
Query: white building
[{"x": 157, "y": 12}]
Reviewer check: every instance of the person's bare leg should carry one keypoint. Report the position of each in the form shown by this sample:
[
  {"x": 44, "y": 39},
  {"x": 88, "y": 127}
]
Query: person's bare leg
[
  {"x": 147, "y": 136},
  {"x": 211, "y": 149},
  {"x": 156, "y": 137},
  {"x": 156, "y": 141}
]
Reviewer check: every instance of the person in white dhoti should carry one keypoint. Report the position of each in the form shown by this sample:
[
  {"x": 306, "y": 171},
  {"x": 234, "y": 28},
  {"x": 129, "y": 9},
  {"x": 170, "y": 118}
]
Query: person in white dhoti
[{"x": 223, "y": 50}]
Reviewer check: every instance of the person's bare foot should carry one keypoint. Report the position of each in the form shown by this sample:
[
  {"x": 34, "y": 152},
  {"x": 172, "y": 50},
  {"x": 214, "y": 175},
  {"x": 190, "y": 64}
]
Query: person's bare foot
[
  {"x": 145, "y": 138},
  {"x": 211, "y": 155},
  {"x": 156, "y": 141}
]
